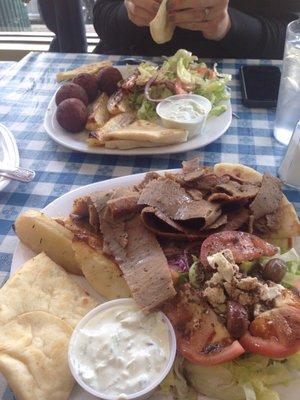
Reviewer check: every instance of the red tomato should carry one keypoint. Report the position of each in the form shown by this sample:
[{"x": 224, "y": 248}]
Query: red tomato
[
  {"x": 274, "y": 333},
  {"x": 244, "y": 246},
  {"x": 201, "y": 337},
  {"x": 206, "y": 72}
]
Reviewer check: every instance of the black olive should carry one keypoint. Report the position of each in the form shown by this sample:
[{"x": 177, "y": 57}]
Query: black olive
[
  {"x": 256, "y": 270},
  {"x": 237, "y": 319},
  {"x": 274, "y": 270}
]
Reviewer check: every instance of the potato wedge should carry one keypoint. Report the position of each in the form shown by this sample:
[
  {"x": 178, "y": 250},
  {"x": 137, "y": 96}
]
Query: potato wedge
[
  {"x": 42, "y": 233},
  {"x": 101, "y": 272}
]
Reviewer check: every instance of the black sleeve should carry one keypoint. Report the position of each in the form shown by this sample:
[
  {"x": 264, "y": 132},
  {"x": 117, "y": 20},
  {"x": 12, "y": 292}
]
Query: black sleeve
[
  {"x": 260, "y": 35},
  {"x": 114, "y": 28}
]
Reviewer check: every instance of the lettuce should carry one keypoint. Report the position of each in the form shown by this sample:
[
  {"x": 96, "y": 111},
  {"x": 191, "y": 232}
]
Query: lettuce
[
  {"x": 249, "y": 377},
  {"x": 185, "y": 58},
  {"x": 176, "y": 384},
  {"x": 147, "y": 110},
  {"x": 146, "y": 72}
]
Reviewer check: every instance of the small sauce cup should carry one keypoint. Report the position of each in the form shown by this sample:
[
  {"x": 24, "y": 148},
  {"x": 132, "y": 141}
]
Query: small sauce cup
[
  {"x": 142, "y": 394},
  {"x": 196, "y": 125}
]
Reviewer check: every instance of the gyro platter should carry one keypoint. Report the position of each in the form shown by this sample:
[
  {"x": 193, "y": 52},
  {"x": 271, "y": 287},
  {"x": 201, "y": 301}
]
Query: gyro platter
[
  {"x": 180, "y": 283},
  {"x": 180, "y": 105}
]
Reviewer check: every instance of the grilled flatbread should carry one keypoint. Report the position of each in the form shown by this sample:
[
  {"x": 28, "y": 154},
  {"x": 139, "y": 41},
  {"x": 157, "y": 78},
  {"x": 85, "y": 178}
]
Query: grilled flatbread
[
  {"x": 88, "y": 68},
  {"x": 160, "y": 27},
  {"x": 98, "y": 114},
  {"x": 34, "y": 356},
  {"x": 43, "y": 285},
  {"x": 289, "y": 225},
  {"x": 130, "y": 144},
  {"x": 114, "y": 124},
  {"x": 145, "y": 131}
]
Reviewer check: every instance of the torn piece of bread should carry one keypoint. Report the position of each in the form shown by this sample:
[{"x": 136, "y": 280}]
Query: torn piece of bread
[
  {"x": 42, "y": 285},
  {"x": 88, "y": 68},
  {"x": 161, "y": 28},
  {"x": 34, "y": 356}
]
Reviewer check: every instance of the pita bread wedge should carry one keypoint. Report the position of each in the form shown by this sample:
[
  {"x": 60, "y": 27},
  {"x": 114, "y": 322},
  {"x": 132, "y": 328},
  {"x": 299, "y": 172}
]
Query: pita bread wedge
[
  {"x": 98, "y": 114},
  {"x": 34, "y": 356},
  {"x": 118, "y": 121},
  {"x": 42, "y": 285},
  {"x": 145, "y": 131},
  {"x": 289, "y": 225},
  {"x": 88, "y": 68},
  {"x": 130, "y": 144},
  {"x": 160, "y": 27}
]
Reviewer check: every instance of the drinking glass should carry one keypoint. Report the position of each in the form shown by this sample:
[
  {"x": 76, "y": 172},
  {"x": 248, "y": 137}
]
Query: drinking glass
[
  {"x": 289, "y": 170},
  {"x": 288, "y": 105}
]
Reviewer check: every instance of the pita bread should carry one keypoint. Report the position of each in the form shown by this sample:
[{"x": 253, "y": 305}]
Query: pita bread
[
  {"x": 145, "y": 131},
  {"x": 34, "y": 356},
  {"x": 160, "y": 27},
  {"x": 98, "y": 114},
  {"x": 88, "y": 68},
  {"x": 42, "y": 285},
  {"x": 289, "y": 222}
]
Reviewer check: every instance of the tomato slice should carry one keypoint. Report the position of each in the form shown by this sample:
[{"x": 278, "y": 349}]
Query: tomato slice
[
  {"x": 244, "y": 246},
  {"x": 201, "y": 337},
  {"x": 274, "y": 333}
]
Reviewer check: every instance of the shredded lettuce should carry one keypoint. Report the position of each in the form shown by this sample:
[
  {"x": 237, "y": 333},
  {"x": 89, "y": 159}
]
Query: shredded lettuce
[
  {"x": 249, "y": 377},
  {"x": 176, "y": 384},
  {"x": 147, "y": 110},
  {"x": 184, "y": 57},
  {"x": 146, "y": 72}
]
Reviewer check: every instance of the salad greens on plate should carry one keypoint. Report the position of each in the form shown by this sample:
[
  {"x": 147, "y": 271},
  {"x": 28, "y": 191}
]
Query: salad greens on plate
[{"x": 179, "y": 74}]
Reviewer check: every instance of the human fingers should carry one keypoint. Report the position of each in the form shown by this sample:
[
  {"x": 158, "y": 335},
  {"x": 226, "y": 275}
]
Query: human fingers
[
  {"x": 176, "y": 5},
  {"x": 149, "y": 5},
  {"x": 194, "y": 15},
  {"x": 138, "y": 15}
]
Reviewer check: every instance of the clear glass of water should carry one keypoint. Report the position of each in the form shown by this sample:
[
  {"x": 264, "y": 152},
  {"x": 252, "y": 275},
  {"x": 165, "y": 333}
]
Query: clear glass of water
[{"x": 288, "y": 106}]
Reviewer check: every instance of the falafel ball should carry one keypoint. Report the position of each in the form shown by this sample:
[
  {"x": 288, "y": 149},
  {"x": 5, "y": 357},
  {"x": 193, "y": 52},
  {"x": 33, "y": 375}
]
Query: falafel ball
[
  {"x": 71, "y": 114},
  {"x": 89, "y": 83},
  {"x": 71, "y": 91}
]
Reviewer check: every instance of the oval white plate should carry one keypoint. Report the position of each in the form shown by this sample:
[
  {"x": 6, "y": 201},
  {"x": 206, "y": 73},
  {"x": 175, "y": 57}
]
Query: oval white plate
[
  {"x": 215, "y": 128},
  {"x": 9, "y": 154},
  {"x": 62, "y": 207}
]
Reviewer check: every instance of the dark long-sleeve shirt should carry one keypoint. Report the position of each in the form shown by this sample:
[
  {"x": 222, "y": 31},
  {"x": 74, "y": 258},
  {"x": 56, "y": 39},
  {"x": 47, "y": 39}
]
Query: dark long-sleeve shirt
[{"x": 257, "y": 31}]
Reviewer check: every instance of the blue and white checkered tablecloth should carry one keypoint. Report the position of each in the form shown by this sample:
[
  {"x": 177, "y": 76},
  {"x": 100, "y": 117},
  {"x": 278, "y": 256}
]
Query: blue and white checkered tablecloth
[{"x": 26, "y": 89}]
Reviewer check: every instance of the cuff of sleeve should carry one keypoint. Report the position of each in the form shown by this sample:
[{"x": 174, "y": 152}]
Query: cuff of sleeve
[{"x": 244, "y": 35}]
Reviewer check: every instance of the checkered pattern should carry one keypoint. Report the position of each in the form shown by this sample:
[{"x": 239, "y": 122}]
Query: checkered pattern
[{"x": 26, "y": 89}]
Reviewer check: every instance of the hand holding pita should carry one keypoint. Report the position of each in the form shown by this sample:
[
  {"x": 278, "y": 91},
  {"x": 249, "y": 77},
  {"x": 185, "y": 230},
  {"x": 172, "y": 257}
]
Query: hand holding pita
[
  {"x": 208, "y": 16},
  {"x": 142, "y": 12}
]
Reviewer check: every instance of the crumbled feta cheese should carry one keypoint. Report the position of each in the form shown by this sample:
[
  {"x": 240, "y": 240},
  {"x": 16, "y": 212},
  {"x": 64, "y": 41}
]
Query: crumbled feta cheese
[{"x": 227, "y": 281}]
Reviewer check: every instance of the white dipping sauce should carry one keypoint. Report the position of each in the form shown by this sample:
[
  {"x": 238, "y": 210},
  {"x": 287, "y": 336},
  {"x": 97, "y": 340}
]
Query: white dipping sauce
[
  {"x": 182, "y": 110},
  {"x": 121, "y": 351}
]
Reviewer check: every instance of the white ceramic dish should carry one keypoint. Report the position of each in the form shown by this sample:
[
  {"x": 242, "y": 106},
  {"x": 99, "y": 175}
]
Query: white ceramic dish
[
  {"x": 142, "y": 394},
  {"x": 215, "y": 127},
  {"x": 62, "y": 207},
  {"x": 9, "y": 154}
]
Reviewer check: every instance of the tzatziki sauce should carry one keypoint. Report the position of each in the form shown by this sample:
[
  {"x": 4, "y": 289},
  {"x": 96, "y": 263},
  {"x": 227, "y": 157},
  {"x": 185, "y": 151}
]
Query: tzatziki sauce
[
  {"x": 120, "y": 350},
  {"x": 182, "y": 110}
]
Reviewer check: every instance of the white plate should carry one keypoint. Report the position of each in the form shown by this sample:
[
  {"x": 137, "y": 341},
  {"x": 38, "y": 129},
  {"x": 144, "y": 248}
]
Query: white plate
[
  {"x": 9, "y": 154},
  {"x": 215, "y": 128},
  {"x": 62, "y": 207}
]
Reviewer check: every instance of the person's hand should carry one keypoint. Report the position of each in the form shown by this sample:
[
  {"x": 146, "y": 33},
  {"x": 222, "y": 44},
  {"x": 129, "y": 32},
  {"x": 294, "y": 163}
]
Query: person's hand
[
  {"x": 142, "y": 12},
  {"x": 208, "y": 16}
]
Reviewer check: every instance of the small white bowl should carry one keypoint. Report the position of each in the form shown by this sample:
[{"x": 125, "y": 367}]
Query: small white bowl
[
  {"x": 194, "y": 127},
  {"x": 142, "y": 394}
]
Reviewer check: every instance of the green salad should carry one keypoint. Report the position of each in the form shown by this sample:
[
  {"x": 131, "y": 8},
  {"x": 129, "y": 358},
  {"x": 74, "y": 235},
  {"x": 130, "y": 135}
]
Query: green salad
[
  {"x": 250, "y": 376},
  {"x": 179, "y": 74}
]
